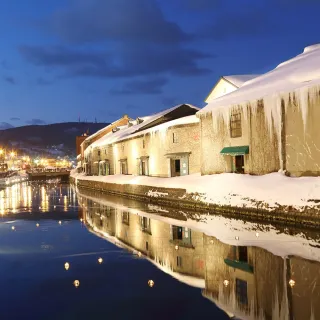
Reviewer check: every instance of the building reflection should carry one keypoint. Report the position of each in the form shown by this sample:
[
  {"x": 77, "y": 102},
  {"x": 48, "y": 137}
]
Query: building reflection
[{"x": 247, "y": 282}]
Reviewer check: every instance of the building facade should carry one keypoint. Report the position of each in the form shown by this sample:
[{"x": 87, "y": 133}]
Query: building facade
[
  {"x": 268, "y": 124},
  {"x": 166, "y": 144}
]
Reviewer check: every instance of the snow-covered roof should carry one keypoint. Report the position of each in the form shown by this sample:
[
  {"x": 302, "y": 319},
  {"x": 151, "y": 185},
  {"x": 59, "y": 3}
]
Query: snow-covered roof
[
  {"x": 240, "y": 79},
  {"x": 298, "y": 72},
  {"x": 125, "y": 131},
  {"x": 101, "y": 130}
]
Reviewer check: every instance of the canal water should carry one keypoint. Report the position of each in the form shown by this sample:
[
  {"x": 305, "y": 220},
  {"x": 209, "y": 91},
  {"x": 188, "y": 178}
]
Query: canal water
[{"x": 75, "y": 254}]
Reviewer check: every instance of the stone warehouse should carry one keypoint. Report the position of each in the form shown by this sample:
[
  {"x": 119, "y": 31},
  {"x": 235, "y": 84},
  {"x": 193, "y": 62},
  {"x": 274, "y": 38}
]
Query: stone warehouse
[
  {"x": 269, "y": 123},
  {"x": 166, "y": 144}
]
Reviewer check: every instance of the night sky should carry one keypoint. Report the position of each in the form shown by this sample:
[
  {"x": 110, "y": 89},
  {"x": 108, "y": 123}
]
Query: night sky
[{"x": 61, "y": 59}]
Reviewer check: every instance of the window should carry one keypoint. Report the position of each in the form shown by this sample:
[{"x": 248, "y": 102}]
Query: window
[
  {"x": 105, "y": 151},
  {"x": 243, "y": 254},
  {"x": 98, "y": 152},
  {"x": 125, "y": 217},
  {"x": 179, "y": 261},
  {"x": 143, "y": 144},
  {"x": 176, "y": 233},
  {"x": 122, "y": 147},
  {"x": 174, "y": 138},
  {"x": 145, "y": 224},
  {"x": 242, "y": 292},
  {"x": 147, "y": 245},
  {"x": 235, "y": 125}
]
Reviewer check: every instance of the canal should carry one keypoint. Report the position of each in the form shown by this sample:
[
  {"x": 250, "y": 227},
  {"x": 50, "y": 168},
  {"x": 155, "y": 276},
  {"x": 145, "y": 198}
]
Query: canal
[{"x": 76, "y": 254}]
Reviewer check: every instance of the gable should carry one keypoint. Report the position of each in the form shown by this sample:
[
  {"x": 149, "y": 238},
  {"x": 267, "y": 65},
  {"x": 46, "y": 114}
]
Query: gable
[{"x": 221, "y": 88}]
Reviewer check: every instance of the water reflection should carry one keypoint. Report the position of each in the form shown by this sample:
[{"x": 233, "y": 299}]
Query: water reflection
[
  {"x": 36, "y": 197},
  {"x": 239, "y": 275}
]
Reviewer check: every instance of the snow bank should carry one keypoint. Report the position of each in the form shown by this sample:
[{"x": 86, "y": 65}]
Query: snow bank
[
  {"x": 235, "y": 232},
  {"x": 236, "y": 190}
]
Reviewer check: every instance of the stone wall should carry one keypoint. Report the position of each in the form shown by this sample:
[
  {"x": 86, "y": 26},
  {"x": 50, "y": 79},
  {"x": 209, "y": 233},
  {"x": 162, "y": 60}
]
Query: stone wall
[{"x": 179, "y": 198}]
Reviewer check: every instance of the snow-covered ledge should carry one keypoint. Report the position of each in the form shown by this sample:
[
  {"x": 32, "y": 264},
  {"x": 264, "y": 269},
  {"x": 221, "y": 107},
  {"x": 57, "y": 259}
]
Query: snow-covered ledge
[{"x": 271, "y": 194}]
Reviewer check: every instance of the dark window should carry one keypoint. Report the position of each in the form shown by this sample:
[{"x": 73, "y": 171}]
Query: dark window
[
  {"x": 242, "y": 292},
  {"x": 145, "y": 224},
  {"x": 143, "y": 168},
  {"x": 143, "y": 144},
  {"x": 174, "y": 138},
  {"x": 177, "y": 166},
  {"x": 177, "y": 233},
  {"x": 243, "y": 254},
  {"x": 98, "y": 152},
  {"x": 147, "y": 245},
  {"x": 105, "y": 151},
  {"x": 235, "y": 125},
  {"x": 179, "y": 261}
]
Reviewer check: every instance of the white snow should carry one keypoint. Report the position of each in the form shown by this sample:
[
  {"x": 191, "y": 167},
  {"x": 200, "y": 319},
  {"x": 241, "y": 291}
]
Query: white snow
[
  {"x": 126, "y": 131},
  {"x": 237, "y": 190},
  {"x": 303, "y": 71},
  {"x": 239, "y": 79},
  {"x": 235, "y": 232}
]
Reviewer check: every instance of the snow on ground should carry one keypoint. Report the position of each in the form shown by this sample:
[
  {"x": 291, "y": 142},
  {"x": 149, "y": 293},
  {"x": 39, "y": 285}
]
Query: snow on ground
[
  {"x": 236, "y": 190},
  {"x": 235, "y": 232}
]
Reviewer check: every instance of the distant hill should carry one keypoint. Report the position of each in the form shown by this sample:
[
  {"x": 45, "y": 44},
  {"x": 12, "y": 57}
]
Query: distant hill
[{"x": 55, "y": 139}]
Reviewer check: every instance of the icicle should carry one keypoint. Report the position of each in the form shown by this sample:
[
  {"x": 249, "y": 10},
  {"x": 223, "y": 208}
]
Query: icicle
[{"x": 303, "y": 104}]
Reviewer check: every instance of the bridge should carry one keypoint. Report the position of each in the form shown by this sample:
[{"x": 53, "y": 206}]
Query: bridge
[{"x": 48, "y": 174}]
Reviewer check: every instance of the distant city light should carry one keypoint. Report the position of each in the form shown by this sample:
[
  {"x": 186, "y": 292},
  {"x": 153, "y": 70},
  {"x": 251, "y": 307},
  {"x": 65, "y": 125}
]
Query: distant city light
[
  {"x": 76, "y": 283},
  {"x": 100, "y": 260},
  {"x": 67, "y": 266}
]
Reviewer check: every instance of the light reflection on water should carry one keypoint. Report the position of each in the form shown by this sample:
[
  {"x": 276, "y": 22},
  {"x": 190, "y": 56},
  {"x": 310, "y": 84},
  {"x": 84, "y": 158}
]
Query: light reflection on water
[
  {"x": 63, "y": 271},
  {"x": 120, "y": 249}
]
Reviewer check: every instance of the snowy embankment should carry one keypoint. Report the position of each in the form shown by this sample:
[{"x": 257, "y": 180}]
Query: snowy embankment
[
  {"x": 269, "y": 191},
  {"x": 231, "y": 231}
]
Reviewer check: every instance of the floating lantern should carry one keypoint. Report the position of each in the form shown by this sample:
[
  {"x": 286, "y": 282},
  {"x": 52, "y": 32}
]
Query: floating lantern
[
  {"x": 237, "y": 238},
  {"x": 81, "y": 219},
  {"x": 37, "y": 225},
  {"x": 150, "y": 283},
  {"x": 76, "y": 283},
  {"x": 12, "y": 227},
  {"x": 257, "y": 234},
  {"x": 60, "y": 222},
  {"x": 100, "y": 260},
  {"x": 67, "y": 266},
  {"x": 226, "y": 283},
  {"x": 54, "y": 207}
]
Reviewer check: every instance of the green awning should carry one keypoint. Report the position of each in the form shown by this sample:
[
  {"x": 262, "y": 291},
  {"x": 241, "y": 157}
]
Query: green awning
[
  {"x": 235, "y": 151},
  {"x": 244, "y": 266}
]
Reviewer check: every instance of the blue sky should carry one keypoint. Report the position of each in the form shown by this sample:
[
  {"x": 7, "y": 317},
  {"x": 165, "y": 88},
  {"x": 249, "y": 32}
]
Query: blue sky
[{"x": 103, "y": 58}]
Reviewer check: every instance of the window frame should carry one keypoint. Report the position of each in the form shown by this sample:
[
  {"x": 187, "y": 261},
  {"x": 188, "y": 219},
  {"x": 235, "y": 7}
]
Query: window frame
[
  {"x": 235, "y": 124},
  {"x": 175, "y": 137}
]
